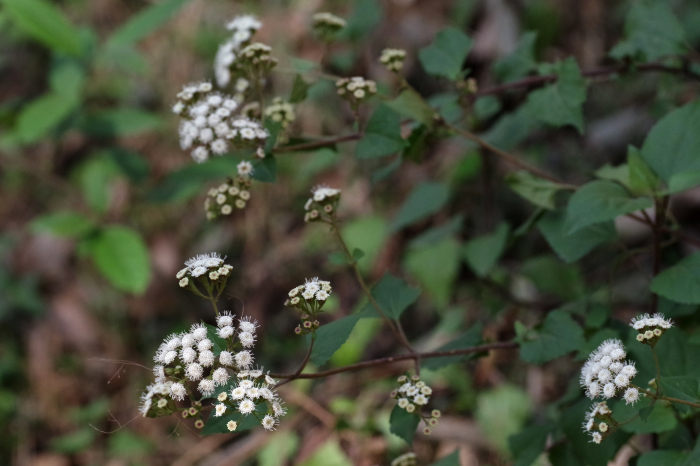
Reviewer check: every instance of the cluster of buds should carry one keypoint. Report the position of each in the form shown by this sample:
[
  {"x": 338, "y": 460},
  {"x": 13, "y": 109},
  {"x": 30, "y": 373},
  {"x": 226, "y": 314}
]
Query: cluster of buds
[
  {"x": 254, "y": 62},
  {"x": 308, "y": 299},
  {"x": 322, "y": 204},
  {"x": 207, "y": 269},
  {"x": 243, "y": 28},
  {"x": 599, "y": 422},
  {"x": 208, "y": 124},
  {"x": 407, "y": 459},
  {"x": 411, "y": 395},
  {"x": 605, "y": 373},
  {"x": 355, "y": 90},
  {"x": 327, "y": 25},
  {"x": 233, "y": 193},
  {"x": 280, "y": 112},
  {"x": 650, "y": 328},
  {"x": 393, "y": 59}
]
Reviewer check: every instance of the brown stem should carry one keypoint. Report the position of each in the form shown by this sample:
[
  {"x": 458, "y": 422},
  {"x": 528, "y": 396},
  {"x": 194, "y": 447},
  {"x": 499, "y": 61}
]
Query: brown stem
[
  {"x": 317, "y": 144},
  {"x": 301, "y": 367},
  {"x": 403, "y": 357}
]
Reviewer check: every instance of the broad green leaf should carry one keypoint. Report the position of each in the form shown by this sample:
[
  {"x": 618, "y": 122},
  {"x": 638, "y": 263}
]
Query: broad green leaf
[
  {"x": 471, "y": 338},
  {"x": 330, "y": 454},
  {"x": 559, "y": 103},
  {"x": 539, "y": 191},
  {"x": 415, "y": 145},
  {"x": 450, "y": 460},
  {"x": 642, "y": 179},
  {"x": 621, "y": 174},
  {"x": 67, "y": 78},
  {"x": 368, "y": 234},
  {"x": 651, "y": 32},
  {"x": 445, "y": 56},
  {"x": 512, "y": 128},
  {"x": 519, "y": 63},
  {"x": 393, "y": 295},
  {"x": 661, "y": 418},
  {"x": 410, "y": 104},
  {"x": 426, "y": 199},
  {"x": 186, "y": 182},
  {"x": 217, "y": 425},
  {"x": 95, "y": 176},
  {"x": 122, "y": 257},
  {"x": 382, "y": 135},
  {"x": 683, "y": 181},
  {"x": 299, "y": 90},
  {"x": 330, "y": 337},
  {"x": 144, "y": 23},
  {"x": 43, "y": 115},
  {"x": 560, "y": 334},
  {"x": 528, "y": 444},
  {"x": 218, "y": 343},
  {"x": 362, "y": 335},
  {"x": 127, "y": 444},
  {"x": 673, "y": 144},
  {"x": 43, "y": 21},
  {"x": 570, "y": 247},
  {"x": 600, "y": 201},
  {"x": 681, "y": 282},
  {"x": 502, "y": 412},
  {"x": 74, "y": 442},
  {"x": 483, "y": 252},
  {"x": 683, "y": 388},
  {"x": 437, "y": 234},
  {"x": 131, "y": 164},
  {"x": 71, "y": 224},
  {"x": 487, "y": 106},
  {"x": 366, "y": 15},
  {"x": 120, "y": 122},
  {"x": 435, "y": 267},
  {"x": 265, "y": 169},
  {"x": 403, "y": 424},
  {"x": 665, "y": 458}
]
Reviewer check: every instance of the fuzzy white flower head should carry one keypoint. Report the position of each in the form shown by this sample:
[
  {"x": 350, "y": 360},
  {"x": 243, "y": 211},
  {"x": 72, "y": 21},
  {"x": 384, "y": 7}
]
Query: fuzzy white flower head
[
  {"x": 269, "y": 422},
  {"x": 207, "y": 358},
  {"x": 269, "y": 380},
  {"x": 220, "y": 376},
  {"x": 598, "y": 374},
  {"x": 187, "y": 340},
  {"x": 278, "y": 409},
  {"x": 198, "y": 332},
  {"x": 220, "y": 410},
  {"x": 420, "y": 399},
  {"x": 245, "y": 168},
  {"x": 224, "y": 320},
  {"x": 188, "y": 355},
  {"x": 322, "y": 192},
  {"x": 246, "y": 406},
  {"x": 225, "y": 332},
  {"x": 244, "y": 359},
  {"x": 206, "y": 387},
  {"x": 596, "y": 437},
  {"x": 238, "y": 393},
  {"x": 253, "y": 393},
  {"x": 243, "y": 23},
  {"x": 245, "y": 324},
  {"x": 204, "y": 344},
  {"x": 631, "y": 395},
  {"x": 226, "y": 358},
  {"x": 247, "y": 339},
  {"x": 178, "y": 391},
  {"x": 194, "y": 371}
]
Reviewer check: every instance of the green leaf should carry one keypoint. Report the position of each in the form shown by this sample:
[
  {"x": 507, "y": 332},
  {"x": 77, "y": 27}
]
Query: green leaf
[
  {"x": 410, "y": 104},
  {"x": 46, "y": 23},
  {"x": 300, "y": 89},
  {"x": 122, "y": 257},
  {"x": 43, "y": 115},
  {"x": 528, "y": 444},
  {"x": 435, "y": 267},
  {"x": 403, "y": 424},
  {"x": 651, "y": 32},
  {"x": 131, "y": 164},
  {"x": 445, "y": 56},
  {"x": 665, "y": 458},
  {"x": 559, "y": 104},
  {"x": 560, "y": 334},
  {"x": 600, "y": 201},
  {"x": 552, "y": 276},
  {"x": 519, "y": 63},
  {"x": 450, "y": 460},
  {"x": 502, "y": 412},
  {"x": 330, "y": 337},
  {"x": 67, "y": 78},
  {"x": 661, "y": 418},
  {"x": 382, "y": 135},
  {"x": 512, "y": 128},
  {"x": 265, "y": 170},
  {"x": 471, "y": 338},
  {"x": 570, "y": 247},
  {"x": 186, "y": 182},
  {"x": 217, "y": 425},
  {"x": 393, "y": 295},
  {"x": 120, "y": 122},
  {"x": 218, "y": 343},
  {"x": 680, "y": 283},
  {"x": 487, "y": 106},
  {"x": 70, "y": 224},
  {"x": 483, "y": 252},
  {"x": 621, "y": 174},
  {"x": 74, "y": 442},
  {"x": 426, "y": 199},
  {"x": 682, "y": 387},
  {"x": 683, "y": 181},
  {"x": 437, "y": 234},
  {"x": 642, "y": 179},
  {"x": 95, "y": 176},
  {"x": 539, "y": 191},
  {"x": 673, "y": 144},
  {"x": 144, "y": 23}
]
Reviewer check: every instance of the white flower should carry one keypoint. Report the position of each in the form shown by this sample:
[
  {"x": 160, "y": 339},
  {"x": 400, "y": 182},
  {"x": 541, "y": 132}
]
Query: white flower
[
  {"x": 413, "y": 391},
  {"x": 244, "y": 359},
  {"x": 224, "y": 320},
  {"x": 184, "y": 282},
  {"x": 403, "y": 402},
  {"x": 188, "y": 355},
  {"x": 410, "y": 408},
  {"x": 621, "y": 380},
  {"x": 220, "y": 410},
  {"x": 269, "y": 422},
  {"x": 238, "y": 393},
  {"x": 270, "y": 381},
  {"x": 609, "y": 390},
  {"x": 169, "y": 357},
  {"x": 220, "y": 376},
  {"x": 420, "y": 400},
  {"x": 597, "y": 438},
  {"x": 278, "y": 409},
  {"x": 181, "y": 273},
  {"x": 194, "y": 371},
  {"x": 225, "y": 332},
  {"x": 631, "y": 395},
  {"x": 178, "y": 391},
  {"x": 206, "y": 387},
  {"x": 247, "y": 339},
  {"x": 629, "y": 370},
  {"x": 204, "y": 344},
  {"x": 246, "y": 325},
  {"x": 219, "y": 146},
  {"x": 246, "y": 384},
  {"x": 588, "y": 425},
  {"x": 187, "y": 340},
  {"x": 253, "y": 393},
  {"x": 198, "y": 332},
  {"x": 231, "y": 425},
  {"x": 245, "y": 168},
  {"x": 257, "y": 373},
  {"x": 222, "y": 396},
  {"x": 246, "y": 406},
  {"x": 226, "y": 358},
  {"x": 247, "y": 133},
  {"x": 604, "y": 375},
  {"x": 403, "y": 388},
  {"x": 200, "y": 154},
  {"x": 206, "y": 358},
  {"x": 321, "y": 295},
  {"x": 426, "y": 391},
  {"x": 593, "y": 390},
  {"x": 267, "y": 393},
  {"x": 308, "y": 294}
]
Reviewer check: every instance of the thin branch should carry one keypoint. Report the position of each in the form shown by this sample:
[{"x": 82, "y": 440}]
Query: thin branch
[
  {"x": 301, "y": 367},
  {"x": 403, "y": 357},
  {"x": 317, "y": 144}
]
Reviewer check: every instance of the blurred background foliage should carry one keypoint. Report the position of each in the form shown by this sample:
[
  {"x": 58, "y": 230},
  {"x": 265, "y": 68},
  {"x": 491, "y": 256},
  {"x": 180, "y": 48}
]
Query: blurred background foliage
[{"x": 99, "y": 207}]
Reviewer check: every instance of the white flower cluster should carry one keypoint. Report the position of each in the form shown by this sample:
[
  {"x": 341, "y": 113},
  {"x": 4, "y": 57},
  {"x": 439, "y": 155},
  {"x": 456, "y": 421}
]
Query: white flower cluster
[
  {"x": 308, "y": 299},
  {"x": 280, "y": 112},
  {"x": 209, "y": 126},
  {"x": 234, "y": 193},
  {"x": 605, "y": 373},
  {"x": 650, "y": 328},
  {"x": 243, "y": 28},
  {"x": 326, "y": 25},
  {"x": 253, "y": 62},
  {"x": 413, "y": 392},
  {"x": 355, "y": 90},
  {"x": 599, "y": 422},
  {"x": 162, "y": 406},
  {"x": 208, "y": 266},
  {"x": 323, "y": 201},
  {"x": 407, "y": 459},
  {"x": 393, "y": 59}
]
